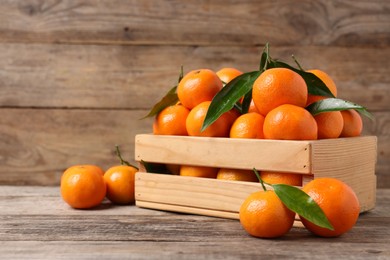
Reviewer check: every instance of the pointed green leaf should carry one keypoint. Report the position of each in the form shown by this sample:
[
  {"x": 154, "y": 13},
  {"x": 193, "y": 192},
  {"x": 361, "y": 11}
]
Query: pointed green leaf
[
  {"x": 302, "y": 204},
  {"x": 264, "y": 58},
  {"x": 315, "y": 85},
  {"x": 336, "y": 104},
  {"x": 225, "y": 99},
  {"x": 246, "y": 102},
  {"x": 168, "y": 100}
]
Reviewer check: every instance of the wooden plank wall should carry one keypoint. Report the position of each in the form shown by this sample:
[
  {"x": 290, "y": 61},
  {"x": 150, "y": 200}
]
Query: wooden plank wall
[{"x": 76, "y": 76}]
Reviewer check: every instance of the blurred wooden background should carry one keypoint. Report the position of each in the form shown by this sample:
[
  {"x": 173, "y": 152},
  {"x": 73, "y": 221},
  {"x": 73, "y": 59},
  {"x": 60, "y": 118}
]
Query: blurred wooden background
[{"x": 76, "y": 76}]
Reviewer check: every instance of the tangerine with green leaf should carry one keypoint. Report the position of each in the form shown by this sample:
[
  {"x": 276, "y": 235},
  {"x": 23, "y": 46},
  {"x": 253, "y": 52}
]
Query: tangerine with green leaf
[
  {"x": 220, "y": 128},
  {"x": 328, "y": 81},
  {"x": 339, "y": 203}
]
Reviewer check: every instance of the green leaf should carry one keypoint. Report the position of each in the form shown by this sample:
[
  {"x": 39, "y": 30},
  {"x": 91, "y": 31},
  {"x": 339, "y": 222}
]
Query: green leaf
[
  {"x": 315, "y": 86},
  {"x": 168, "y": 100},
  {"x": 246, "y": 102},
  {"x": 225, "y": 99},
  {"x": 336, "y": 104},
  {"x": 265, "y": 58},
  {"x": 302, "y": 204}
]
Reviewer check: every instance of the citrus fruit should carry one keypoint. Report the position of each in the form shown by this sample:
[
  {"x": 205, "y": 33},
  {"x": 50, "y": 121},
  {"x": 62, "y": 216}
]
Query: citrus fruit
[
  {"x": 236, "y": 175},
  {"x": 328, "y": 81},
  {"x": 195, "y": 119},
  {"x": 263, "y": 214},
  {"x": 227, "y": 74},
  {"x": 353, "y": 124},
  {"x": 120, "y": 184},
  {"x": 171, "y": 121},
  {"x": 198, "y": 171},
  {"x": 83, "y": 186},
  {"x": 290, "y": 122},
  {"x": 330, "y": 124},
  {"x": 339, "y": 203},
  {"x": 281, "y": 178},
  {"x": 252, "y": 107},
  {"x": 278, "y": 86},
  {"x": 249, "y": 125},
  {"x": 198, "y": 86}
]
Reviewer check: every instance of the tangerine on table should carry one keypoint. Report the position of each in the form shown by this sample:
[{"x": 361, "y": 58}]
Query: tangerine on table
[
  {"x": 236, "y": 175},
  {"x": 198, "y": 86},
  {"x": 278, "y": 86},
  {"x": 195, "y": 119},
  {"x": 281, "y": 178},
  {"x": 198, "y": 171},
  {"x": 171, "y": 121},
  {"x": 228, "y": 74},
  {"x": 290, "y": 122},
  {"x": 83, "y": 186},
  {"x": 328, "y": 81},
  {"x": 339, "y": 203},
  {"x": 249, "y": 125},
  {"x": 263, "y": 214},
  {"x": 120, "y": 184},
  {"x": 353, "y": 124},
  {"x": 330, "y": 124}
]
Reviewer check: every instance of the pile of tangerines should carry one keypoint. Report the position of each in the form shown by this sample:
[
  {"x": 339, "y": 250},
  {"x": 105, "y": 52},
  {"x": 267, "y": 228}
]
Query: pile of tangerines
[
  {"x": 86, "y": 186},
  {"x": 278, "y": 110}
]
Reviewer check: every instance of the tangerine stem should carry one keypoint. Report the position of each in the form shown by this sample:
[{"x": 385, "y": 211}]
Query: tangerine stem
[
  {"x": 259, "y": 178},
  {"x": 296, "y": 61},
  {"x": 123, "y": 162}
]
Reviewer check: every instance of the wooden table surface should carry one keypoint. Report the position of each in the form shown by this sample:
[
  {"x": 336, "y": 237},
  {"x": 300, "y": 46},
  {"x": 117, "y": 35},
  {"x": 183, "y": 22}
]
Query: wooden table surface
[{"x": 36, "y": 224}]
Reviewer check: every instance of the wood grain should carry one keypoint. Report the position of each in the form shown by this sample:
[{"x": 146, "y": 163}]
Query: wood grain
[
  {"x": 36, "y": 146},
  {"x": 293, "y": 156},
  {"x": 130, "y": 232},
  {"x": 212, "y": 22},
  {"x": 134, "y": 77}
]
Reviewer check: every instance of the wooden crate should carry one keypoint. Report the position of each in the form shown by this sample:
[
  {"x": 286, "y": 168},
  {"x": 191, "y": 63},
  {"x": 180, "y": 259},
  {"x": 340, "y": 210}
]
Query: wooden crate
[{"x": 351, "y": 160}]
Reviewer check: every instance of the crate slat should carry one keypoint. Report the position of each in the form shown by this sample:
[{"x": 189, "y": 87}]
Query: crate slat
[{"x": 278, "y": 155}]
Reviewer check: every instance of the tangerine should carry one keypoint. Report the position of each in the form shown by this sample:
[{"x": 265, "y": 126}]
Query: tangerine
[
  {"x": 198, "y": 171},
  {"x": 330, "y": 124},
  {"x": 339, "y": 203},
  {"x": 290, "y": 122},
  {"x": 328, "y": 81},
  {"x": 228, "y": 74},
  {"x": 198, "y": 86},
  {"x": 120, "y": 184},
  {"x": 83, "y": 186},
  {"x": 278, "y": 86},
  {"x": 236, "y": 175},
  {"x": 353, "y": 124},
  {"x": 195, "y": 119},
  {"x": 171, "y": 121},
  {"x": 281, "y": 178},
  {"x": 248, "y": 125},
  {"x": 263, "y": 214}
]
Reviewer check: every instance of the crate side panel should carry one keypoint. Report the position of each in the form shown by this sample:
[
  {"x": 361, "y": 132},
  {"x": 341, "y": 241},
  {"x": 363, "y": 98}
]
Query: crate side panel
[
  {"x": 343, "y": 155},
  {"x": 193, "y": 192},
  {"x": 276, "y": 155}
]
